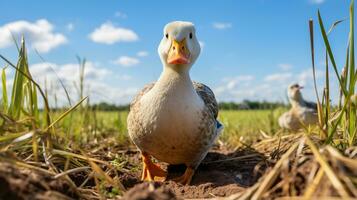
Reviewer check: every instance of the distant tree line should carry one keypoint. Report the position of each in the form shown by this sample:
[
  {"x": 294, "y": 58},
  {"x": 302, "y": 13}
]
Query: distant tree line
[
  {"x": 103, "y": 106},
  {"x": 250, "y": 105},
  {"x": 245, "y": 105}
]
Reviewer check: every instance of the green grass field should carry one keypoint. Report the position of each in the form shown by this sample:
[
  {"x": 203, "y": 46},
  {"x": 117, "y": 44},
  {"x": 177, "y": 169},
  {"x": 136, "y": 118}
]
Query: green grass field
[
  {"x": 239, "y": 126},
  {"x": 246, "y": 125}
]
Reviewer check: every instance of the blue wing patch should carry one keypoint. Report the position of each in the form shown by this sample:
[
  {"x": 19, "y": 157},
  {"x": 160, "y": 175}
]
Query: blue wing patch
[{"x": 219, "y": 127}]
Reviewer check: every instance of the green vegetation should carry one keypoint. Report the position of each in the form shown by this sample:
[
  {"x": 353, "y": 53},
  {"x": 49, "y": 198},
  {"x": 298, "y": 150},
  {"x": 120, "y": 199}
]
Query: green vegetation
[
  {"x": 240, "y": 125},
  {"x": 45, "y": 140},
  {"x": 250, "y": 105},
  {"x": 245, "y": 126},
  {"x": 245, "y": 105},
  {"x": 337, "y": 126}
]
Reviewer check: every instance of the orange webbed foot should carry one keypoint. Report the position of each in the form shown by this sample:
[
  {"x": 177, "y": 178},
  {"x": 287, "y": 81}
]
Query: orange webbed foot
[
  {"x": 186, "y": 178},
  {"x": 152, "y": 171}
]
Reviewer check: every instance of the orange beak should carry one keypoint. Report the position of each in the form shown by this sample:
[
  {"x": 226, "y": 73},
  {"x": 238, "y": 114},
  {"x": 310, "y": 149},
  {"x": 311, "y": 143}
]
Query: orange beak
[{"x": 178, "y": 53}]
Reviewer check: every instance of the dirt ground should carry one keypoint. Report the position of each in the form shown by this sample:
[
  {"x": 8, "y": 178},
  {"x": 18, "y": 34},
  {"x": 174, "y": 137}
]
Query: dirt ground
[{"x": 223, "y": 172}]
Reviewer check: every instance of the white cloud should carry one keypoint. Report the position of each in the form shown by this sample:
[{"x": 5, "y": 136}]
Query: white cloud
[
  {"x": 120, "y": 15},
  {"x": 281, "y": 77},
  {"x": 70, "y": 27},
  {"x": 221, "y": 25},
  {"x": 49, "y": 74},
  {"x": 306, "y": 76},
  {"x": 233, "y": 82},
  {"x": 107, "y": 33},
  {"x": 105, "y": 92},
  {"x": 285, "y": 66},
  {"x": 250, "y": 91},
  {"x": 317, "y": 1},
  {"x": 95, "y": 81},
  {"x": 67, "y": 72},
  {"x": 126, "y": 61},
  {"x": 142, "y": 53},
  {"x": 273, "y": 87},
  {"x": 40, "y": 34}
]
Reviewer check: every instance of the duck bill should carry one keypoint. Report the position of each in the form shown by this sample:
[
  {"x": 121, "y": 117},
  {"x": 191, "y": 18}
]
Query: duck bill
[{"x": 178, "y": 53}]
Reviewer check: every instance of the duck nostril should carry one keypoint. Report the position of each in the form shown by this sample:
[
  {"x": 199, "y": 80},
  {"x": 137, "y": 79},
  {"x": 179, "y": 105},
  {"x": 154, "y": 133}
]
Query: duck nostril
[
  {"x": 173, "y": 48},
  {"x": 183, "y": 48}
]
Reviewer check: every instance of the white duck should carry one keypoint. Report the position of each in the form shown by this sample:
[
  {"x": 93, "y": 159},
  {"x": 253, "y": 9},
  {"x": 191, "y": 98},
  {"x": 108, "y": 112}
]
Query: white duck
[
  {"x": 174, "y": 119},
  {"x": 301, "y": 113}
]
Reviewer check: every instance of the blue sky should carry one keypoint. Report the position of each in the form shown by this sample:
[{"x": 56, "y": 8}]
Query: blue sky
[{"x": 251, "y": 49}]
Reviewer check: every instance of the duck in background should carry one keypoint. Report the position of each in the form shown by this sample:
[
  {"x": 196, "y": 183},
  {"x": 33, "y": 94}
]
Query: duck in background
[
  {"x": 174, "y": 119},
  {"x": 302, "y": 113}
]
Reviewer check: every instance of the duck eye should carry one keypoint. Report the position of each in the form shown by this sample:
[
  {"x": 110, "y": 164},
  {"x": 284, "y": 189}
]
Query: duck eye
[
  {"x": 190, "y": 35},
  {"x": 167, "y": 35}
]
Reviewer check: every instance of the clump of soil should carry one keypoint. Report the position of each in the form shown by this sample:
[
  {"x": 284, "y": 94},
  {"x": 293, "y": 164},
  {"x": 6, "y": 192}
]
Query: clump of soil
[
  {"x": 17, "y": 183},
  {"x": 149, "y": 191}
]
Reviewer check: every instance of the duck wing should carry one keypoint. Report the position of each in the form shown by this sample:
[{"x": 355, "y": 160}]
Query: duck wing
[
  {"x": 311, "y": 105},
  {"x": 207, "y": 96}
]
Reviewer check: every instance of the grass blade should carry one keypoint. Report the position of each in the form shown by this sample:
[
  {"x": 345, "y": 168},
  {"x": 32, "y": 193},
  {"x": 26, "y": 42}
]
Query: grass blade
[
  {"x": 333, "y": 26},
  {"x": 4, "y": 90},
  {"x": 351, "y": 64},
  {"x": 16, "y": 102},
  {"x": 65, "y": 113},
  {"x": 328, "y": 48},
  {"x": 319, "y": 107}
]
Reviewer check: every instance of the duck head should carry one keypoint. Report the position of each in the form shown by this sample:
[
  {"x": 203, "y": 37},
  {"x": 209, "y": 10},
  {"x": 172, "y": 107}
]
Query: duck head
[
  {"x": 179, "y": 47},
  {"x": 294, "y": 93}
]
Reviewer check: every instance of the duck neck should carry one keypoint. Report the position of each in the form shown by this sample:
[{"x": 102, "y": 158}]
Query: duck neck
[
  {"x": 174, "y": 78},
  {"x": 174, "y": 75},
  {"x": 297, "y": 102}
]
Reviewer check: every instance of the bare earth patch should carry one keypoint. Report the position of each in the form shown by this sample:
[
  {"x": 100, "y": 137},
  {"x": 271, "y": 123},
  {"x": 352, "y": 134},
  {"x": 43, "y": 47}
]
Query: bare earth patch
[{"x": 221, "y": 173}]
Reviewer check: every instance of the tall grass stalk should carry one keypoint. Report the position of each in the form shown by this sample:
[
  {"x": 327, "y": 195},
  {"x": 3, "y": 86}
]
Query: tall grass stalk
[
  {"x": 337, "y": 124},
  {"x": 4, "y": 89}
]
